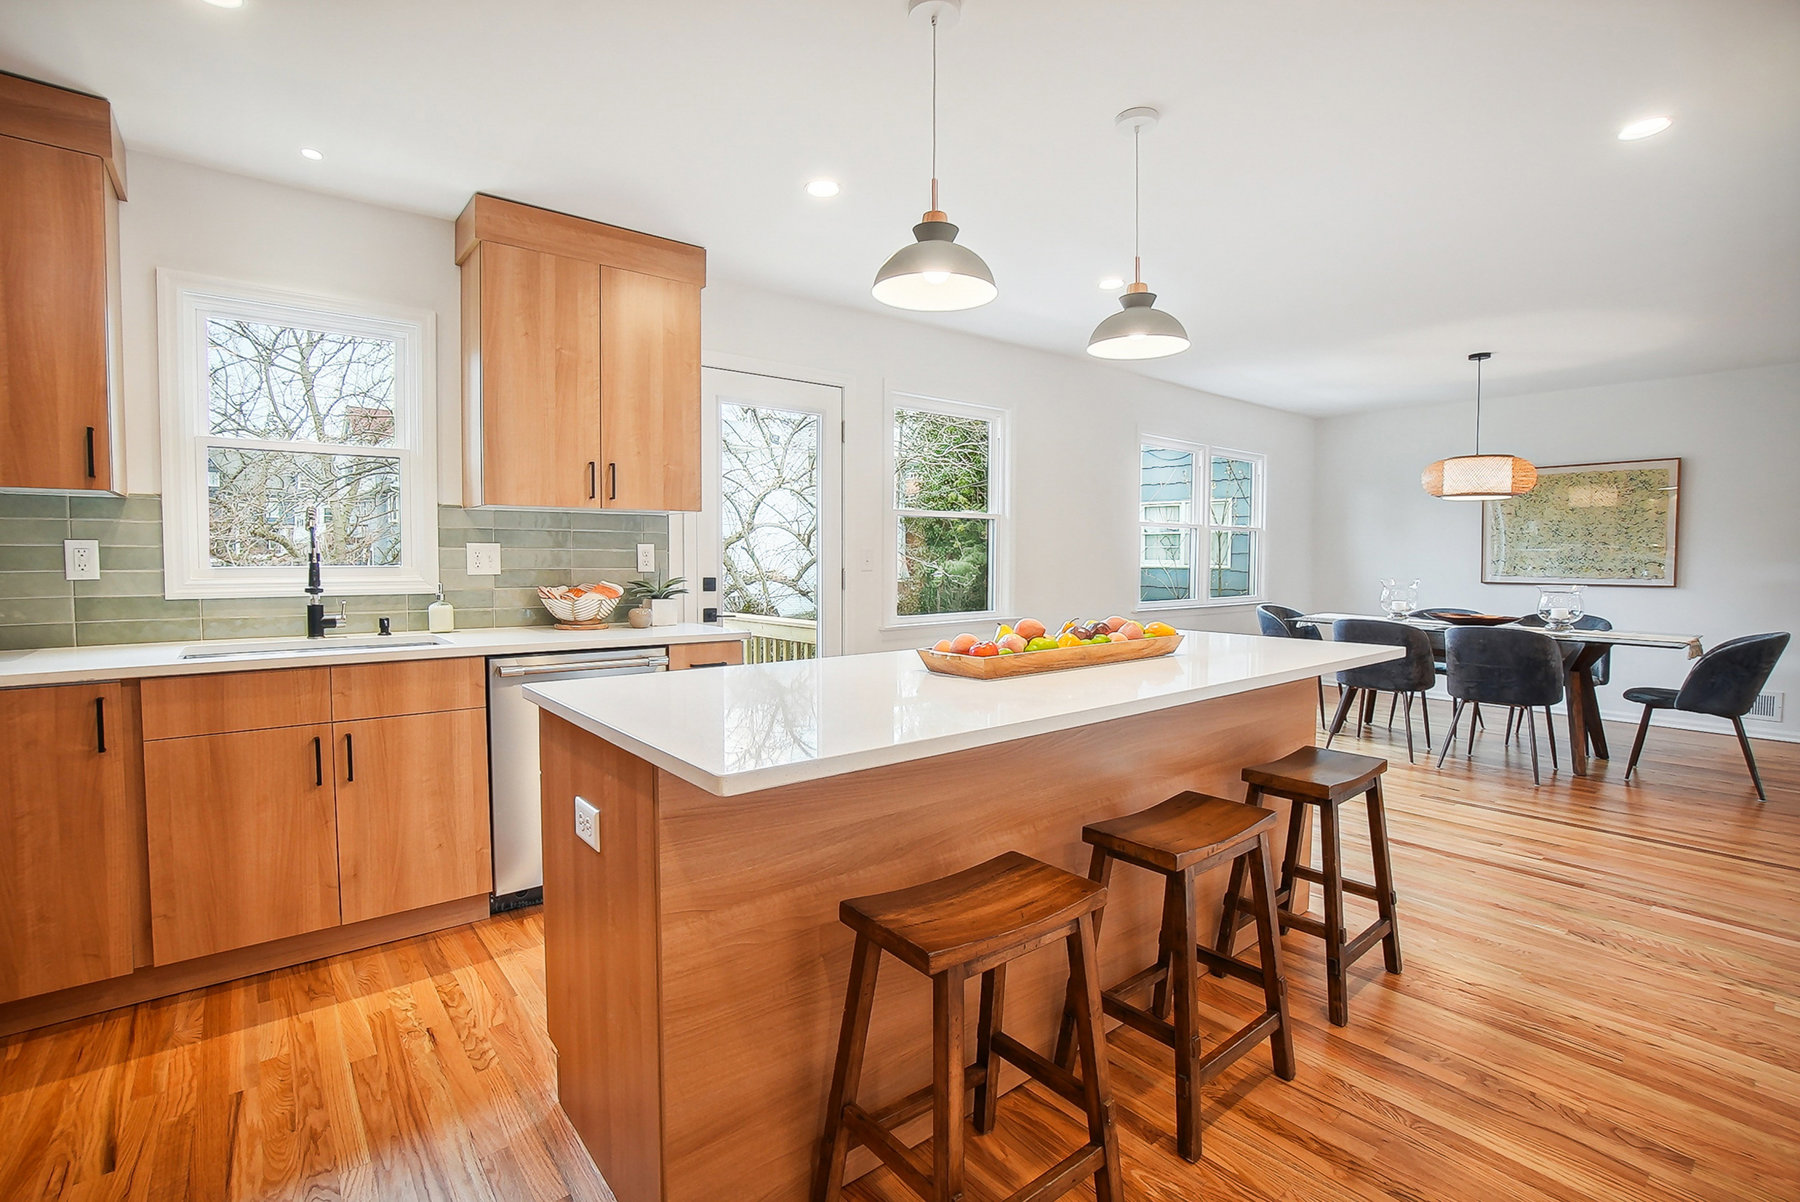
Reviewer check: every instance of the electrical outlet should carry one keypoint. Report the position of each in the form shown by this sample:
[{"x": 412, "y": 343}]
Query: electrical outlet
[
  {"x": 646, "y": 557},
  {"x": 484, "y": 559},
  {"x": 587, "y": 822},
  {"x": 81, "y": 559}
]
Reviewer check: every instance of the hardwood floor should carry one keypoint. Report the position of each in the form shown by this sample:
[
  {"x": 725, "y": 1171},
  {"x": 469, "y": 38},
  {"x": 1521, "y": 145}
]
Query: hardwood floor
[{"x": 1601, "y": 1000}]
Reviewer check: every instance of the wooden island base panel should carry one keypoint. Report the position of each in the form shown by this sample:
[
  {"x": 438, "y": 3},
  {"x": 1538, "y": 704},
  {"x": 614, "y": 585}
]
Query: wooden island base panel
[{"x": 696, "y": 968}]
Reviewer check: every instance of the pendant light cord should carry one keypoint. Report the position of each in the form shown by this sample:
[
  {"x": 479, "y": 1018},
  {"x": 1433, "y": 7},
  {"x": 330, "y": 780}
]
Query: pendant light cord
[
  {"x": 1478, "y": 363},
  {"x": 1137, "y": 188},
  {"x": 934, "y": 107}
]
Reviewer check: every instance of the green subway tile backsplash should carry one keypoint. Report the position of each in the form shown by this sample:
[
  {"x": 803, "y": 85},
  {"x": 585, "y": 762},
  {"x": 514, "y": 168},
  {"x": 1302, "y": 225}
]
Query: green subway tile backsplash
[{"x": 38, "y": 608}]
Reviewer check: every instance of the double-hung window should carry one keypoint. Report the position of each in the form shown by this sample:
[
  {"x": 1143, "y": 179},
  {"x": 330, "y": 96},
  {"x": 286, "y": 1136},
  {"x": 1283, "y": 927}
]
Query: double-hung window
[
  {"x": 282, "y": 411},
  {"x": 1200, "y": 525},
  {"x": 946, "y": 467}
]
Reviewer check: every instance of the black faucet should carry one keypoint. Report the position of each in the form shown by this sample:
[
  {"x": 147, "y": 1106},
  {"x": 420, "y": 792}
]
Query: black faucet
[{"x": 316, "y": 621}]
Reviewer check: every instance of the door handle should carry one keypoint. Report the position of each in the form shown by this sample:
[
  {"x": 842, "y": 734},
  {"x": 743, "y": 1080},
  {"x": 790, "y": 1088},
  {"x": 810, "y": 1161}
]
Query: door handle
[
  {"x": 612, "y": 481},
  {"x": 318, "y": 762},
  {"x": 593, "y": 489},
  {"x": 90, "y": 452},
  {"x": 349, "y": 756},
  {"x": 100, "y": 723}
]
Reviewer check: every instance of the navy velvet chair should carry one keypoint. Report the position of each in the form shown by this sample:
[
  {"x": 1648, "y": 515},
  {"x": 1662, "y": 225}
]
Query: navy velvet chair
[
  {"x": 1601, "y": 671},
  {"x": 1503, "y": 665},
  {"x": 1277, "y": 622},
  {"x": 1408, "y": 677},
  {"x": 1723, "y": 682}
]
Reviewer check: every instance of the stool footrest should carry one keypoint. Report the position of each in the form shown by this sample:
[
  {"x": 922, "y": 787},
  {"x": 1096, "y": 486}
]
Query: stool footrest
[
  {"x": 895, "y": 1155},
  {"x": 1053, "y": 1075},
  {"x": 1252, "y": 973},
  {"x": 1246, "y": 1038},
  {"x": 1061, "y": 1177},
  {"x": 1303, "y": 922},
  {"x": 1356, "y": 947},
  {"x": 1308, "y": 873},
  {"x": 1137, "y": 1018},
  {"x": 919, "y": 1100}
]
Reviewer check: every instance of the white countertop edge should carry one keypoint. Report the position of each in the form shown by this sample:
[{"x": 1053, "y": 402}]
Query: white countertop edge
[
  {"x": 134, "y": 661},
  {"x": 756, "y": 780}
]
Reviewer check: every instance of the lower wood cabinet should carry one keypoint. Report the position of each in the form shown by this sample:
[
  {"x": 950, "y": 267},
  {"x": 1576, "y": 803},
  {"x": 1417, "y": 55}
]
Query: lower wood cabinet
[
  {"x": 412, "y": 812},
  {"x": 243, "y": 839},
  {"x": 67, "y": 894},
  {"x": 721, "y": 654}
]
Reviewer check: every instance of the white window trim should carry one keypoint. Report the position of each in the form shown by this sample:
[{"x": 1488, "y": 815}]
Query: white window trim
[
  {"x": 999, "y": 509},
  {"x": 1203, "y": 529},
  {"x": 182, "y": 300}
]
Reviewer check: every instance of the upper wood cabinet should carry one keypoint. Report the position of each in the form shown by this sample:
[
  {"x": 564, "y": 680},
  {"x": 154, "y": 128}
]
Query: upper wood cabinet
[
  {"x": 66, "y": 885},
  {"x": 581, "y": 362},
  {"x": 62, "y": 175}
]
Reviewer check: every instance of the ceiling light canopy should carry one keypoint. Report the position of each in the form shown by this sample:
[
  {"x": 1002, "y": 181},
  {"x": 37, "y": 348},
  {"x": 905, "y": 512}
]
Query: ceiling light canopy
[
  {"x": 934, "y": 274},
  {"x": 822, "y": 188},
  {"x": 1648, "y": 127},
  {"x": 1479, "y": 477},
  {"x": 1140, "y": 330}
]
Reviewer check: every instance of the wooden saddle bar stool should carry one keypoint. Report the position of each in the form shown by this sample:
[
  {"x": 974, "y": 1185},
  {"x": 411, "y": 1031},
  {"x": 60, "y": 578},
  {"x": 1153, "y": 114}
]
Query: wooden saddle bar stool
[
  {"x": 1180, "y": 839},
  {"x": 1315, "y": 777},
  {"x": 972, "y": 923}
]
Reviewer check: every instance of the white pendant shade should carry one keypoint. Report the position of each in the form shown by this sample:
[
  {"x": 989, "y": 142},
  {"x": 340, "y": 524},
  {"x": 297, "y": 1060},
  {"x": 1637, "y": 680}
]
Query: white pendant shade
[
  {"x": 1479, "y": 478},
  {"x": 934, "y": 274},
  {"x": 1139, "y": 331}
]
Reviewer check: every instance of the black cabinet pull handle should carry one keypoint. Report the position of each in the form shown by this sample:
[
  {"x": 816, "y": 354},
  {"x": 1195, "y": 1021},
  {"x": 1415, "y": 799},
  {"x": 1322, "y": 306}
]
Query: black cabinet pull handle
[
  {"x": 318, "y": 762},
  {"x": 593, "y": 488},
  {"x": 100, "y": 723},
  {"x": 612, "y": 481},
  {"x": 349, "y": 757},
  {"x": 90, "y": 452}
]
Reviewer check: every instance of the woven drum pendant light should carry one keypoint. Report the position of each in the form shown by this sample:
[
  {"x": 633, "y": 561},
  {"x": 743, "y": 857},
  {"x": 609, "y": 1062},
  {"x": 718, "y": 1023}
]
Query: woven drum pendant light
[
  {"x": 934, "y": 274},
  {"x": 1479, "y": 477}
]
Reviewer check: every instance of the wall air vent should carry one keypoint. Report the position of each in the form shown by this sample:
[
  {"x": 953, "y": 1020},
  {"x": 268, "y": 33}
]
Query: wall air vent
[{"x": 1767, "y": 708}]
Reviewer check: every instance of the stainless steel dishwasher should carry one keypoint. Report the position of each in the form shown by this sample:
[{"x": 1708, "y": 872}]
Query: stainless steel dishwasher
[{"x": 513, "y": 756}]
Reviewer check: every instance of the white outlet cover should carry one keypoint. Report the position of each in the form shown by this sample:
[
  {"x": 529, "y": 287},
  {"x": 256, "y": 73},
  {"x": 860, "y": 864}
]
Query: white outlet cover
[
  {"x": 587, "y": 822},
  {"x": 484, "y": 559},
  {"x": 81, "y": 559},
  {"x": 646, "y": 561}
]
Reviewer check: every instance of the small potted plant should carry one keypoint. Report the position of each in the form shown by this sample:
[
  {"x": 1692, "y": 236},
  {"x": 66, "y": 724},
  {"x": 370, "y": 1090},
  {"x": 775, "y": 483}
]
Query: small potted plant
[{"x": 657, "y": 597}]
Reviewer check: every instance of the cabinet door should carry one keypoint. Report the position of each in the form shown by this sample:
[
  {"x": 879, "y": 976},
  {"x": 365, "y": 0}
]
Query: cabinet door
[
  {"x": 243, "y": 839},
  {"x": 64, "y": 873},
  {"x": 412, "y": 808},
  {"x": 539, "y": 378},
  {"x": 53, "y": 416},
  {"x": 649, "y": 391}
]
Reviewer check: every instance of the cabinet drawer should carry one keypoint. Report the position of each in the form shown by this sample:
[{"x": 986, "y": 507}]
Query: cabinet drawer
[
  {"x": 420, "y": 687},
  {"x": 220, "y": 703},
  {"x": 706, "y": 655}
]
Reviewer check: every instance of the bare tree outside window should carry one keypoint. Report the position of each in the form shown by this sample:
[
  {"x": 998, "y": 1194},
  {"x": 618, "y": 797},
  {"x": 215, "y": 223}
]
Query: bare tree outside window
[
  {"x": 769, "y": 495},
  {"x": 329, "y": 396}
]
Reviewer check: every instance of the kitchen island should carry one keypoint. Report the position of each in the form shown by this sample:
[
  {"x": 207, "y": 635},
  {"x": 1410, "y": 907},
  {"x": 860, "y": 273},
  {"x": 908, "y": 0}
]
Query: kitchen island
[{"x": 695, "y": 965}]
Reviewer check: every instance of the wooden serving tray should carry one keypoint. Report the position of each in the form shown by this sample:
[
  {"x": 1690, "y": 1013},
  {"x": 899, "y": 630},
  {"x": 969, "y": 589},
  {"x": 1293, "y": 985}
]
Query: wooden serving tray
[{"x": 1030, "y": 663}]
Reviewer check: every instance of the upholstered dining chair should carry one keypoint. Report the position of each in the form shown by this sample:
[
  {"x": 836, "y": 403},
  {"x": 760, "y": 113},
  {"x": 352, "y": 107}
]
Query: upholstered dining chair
[
  {"x": 1503, "y": 665},
  {"x": 1724, "y": 682},
  {"x": 1277, "y": 622},
  {"x": 1407, "y": 677},
  {"x": 1601, "y": 671}
]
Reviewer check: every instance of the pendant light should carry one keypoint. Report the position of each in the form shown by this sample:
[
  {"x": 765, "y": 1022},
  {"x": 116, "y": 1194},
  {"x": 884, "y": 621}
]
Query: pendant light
[
  {"x": 934, "y": 274},
  {"x": 1479, "y": 477},
  {"x": 1141, "y": 331}
]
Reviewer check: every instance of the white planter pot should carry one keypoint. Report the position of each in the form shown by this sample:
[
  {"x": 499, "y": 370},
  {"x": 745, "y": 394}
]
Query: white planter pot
[{"x": 665, "y": 611}]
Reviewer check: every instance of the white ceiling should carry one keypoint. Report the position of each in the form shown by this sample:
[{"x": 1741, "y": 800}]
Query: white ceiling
[{"x": 1342, "y": 200}]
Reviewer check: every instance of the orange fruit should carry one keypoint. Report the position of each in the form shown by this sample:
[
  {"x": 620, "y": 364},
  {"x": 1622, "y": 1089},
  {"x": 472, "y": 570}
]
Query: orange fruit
[
  {"x": 1158, "y": 630},
  {"x": 984, "y": 649},
  {"x": 961, "y": 643},
  {"x": 1065, "y": 639}
]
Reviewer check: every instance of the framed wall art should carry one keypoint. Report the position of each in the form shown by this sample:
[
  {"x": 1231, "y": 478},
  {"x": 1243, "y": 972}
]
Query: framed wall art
[{"x": 1586, "y": 523}]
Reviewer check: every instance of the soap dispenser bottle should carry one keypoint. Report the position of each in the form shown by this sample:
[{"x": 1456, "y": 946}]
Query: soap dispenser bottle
[{"x": 440, "y": 615}]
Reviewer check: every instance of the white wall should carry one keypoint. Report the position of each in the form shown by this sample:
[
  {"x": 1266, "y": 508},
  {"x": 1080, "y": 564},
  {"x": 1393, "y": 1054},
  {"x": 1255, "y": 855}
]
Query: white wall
[
  {"x": 1075, "y": 426},
  {"x": 1738, "y": 437},
  {"x": 1075, "y": 423},
  {"x": 190, "y": 218}
]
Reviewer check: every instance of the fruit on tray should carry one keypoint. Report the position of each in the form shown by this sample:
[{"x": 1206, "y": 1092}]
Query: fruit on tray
[{"x": 1028, "y": 635}]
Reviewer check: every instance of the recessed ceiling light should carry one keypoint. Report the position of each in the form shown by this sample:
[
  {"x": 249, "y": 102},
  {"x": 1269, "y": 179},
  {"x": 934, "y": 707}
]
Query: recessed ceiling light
[
  {"x": 307, "y": 152},
  {"x": 822, "y": 188},
  {"x": 226, "y": 3},
  {"x": 1644, "y": 129},
  {"x": 1111, "y": 283}
]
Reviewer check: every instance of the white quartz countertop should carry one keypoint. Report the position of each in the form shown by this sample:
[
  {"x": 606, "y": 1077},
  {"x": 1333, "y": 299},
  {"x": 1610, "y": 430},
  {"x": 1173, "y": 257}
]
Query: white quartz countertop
[
  {"x": 741, "y": 729},
  {"x": 124, "y": 661}
]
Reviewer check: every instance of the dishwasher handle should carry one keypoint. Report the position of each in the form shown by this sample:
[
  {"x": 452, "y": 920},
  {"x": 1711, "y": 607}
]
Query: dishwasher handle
[{"x": 510, "y": 671}]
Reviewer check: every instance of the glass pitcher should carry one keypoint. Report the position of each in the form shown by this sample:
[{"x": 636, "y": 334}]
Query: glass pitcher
[
  {"x": 1560, "y": 607},
  {"x": 1398, "y": 600}
]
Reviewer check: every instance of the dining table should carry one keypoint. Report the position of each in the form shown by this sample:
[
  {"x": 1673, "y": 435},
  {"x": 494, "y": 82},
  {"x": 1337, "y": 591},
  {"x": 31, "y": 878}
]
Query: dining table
[{"x": 1587, "y": 733}]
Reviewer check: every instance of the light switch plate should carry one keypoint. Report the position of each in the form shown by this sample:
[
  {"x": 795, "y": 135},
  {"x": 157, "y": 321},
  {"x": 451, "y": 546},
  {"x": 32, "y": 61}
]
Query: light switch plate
[
  {"x": 81, "y": 559},
  {"x": 587, "y": 822},
  {"x": 484, "y": 559},
  {"x": 646, "y": 557}
]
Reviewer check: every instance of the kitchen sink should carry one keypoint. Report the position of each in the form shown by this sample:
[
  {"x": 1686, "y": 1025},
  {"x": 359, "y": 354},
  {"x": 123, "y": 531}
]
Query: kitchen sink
[{"x": 330, "y": 645}]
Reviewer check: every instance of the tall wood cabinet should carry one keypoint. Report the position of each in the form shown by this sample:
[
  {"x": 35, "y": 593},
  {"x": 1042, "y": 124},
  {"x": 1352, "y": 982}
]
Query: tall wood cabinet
[
  {"x": 62, "y": 176},
  {"x": 581, "y": 362},
  {"x": 67, "y": 889}
]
